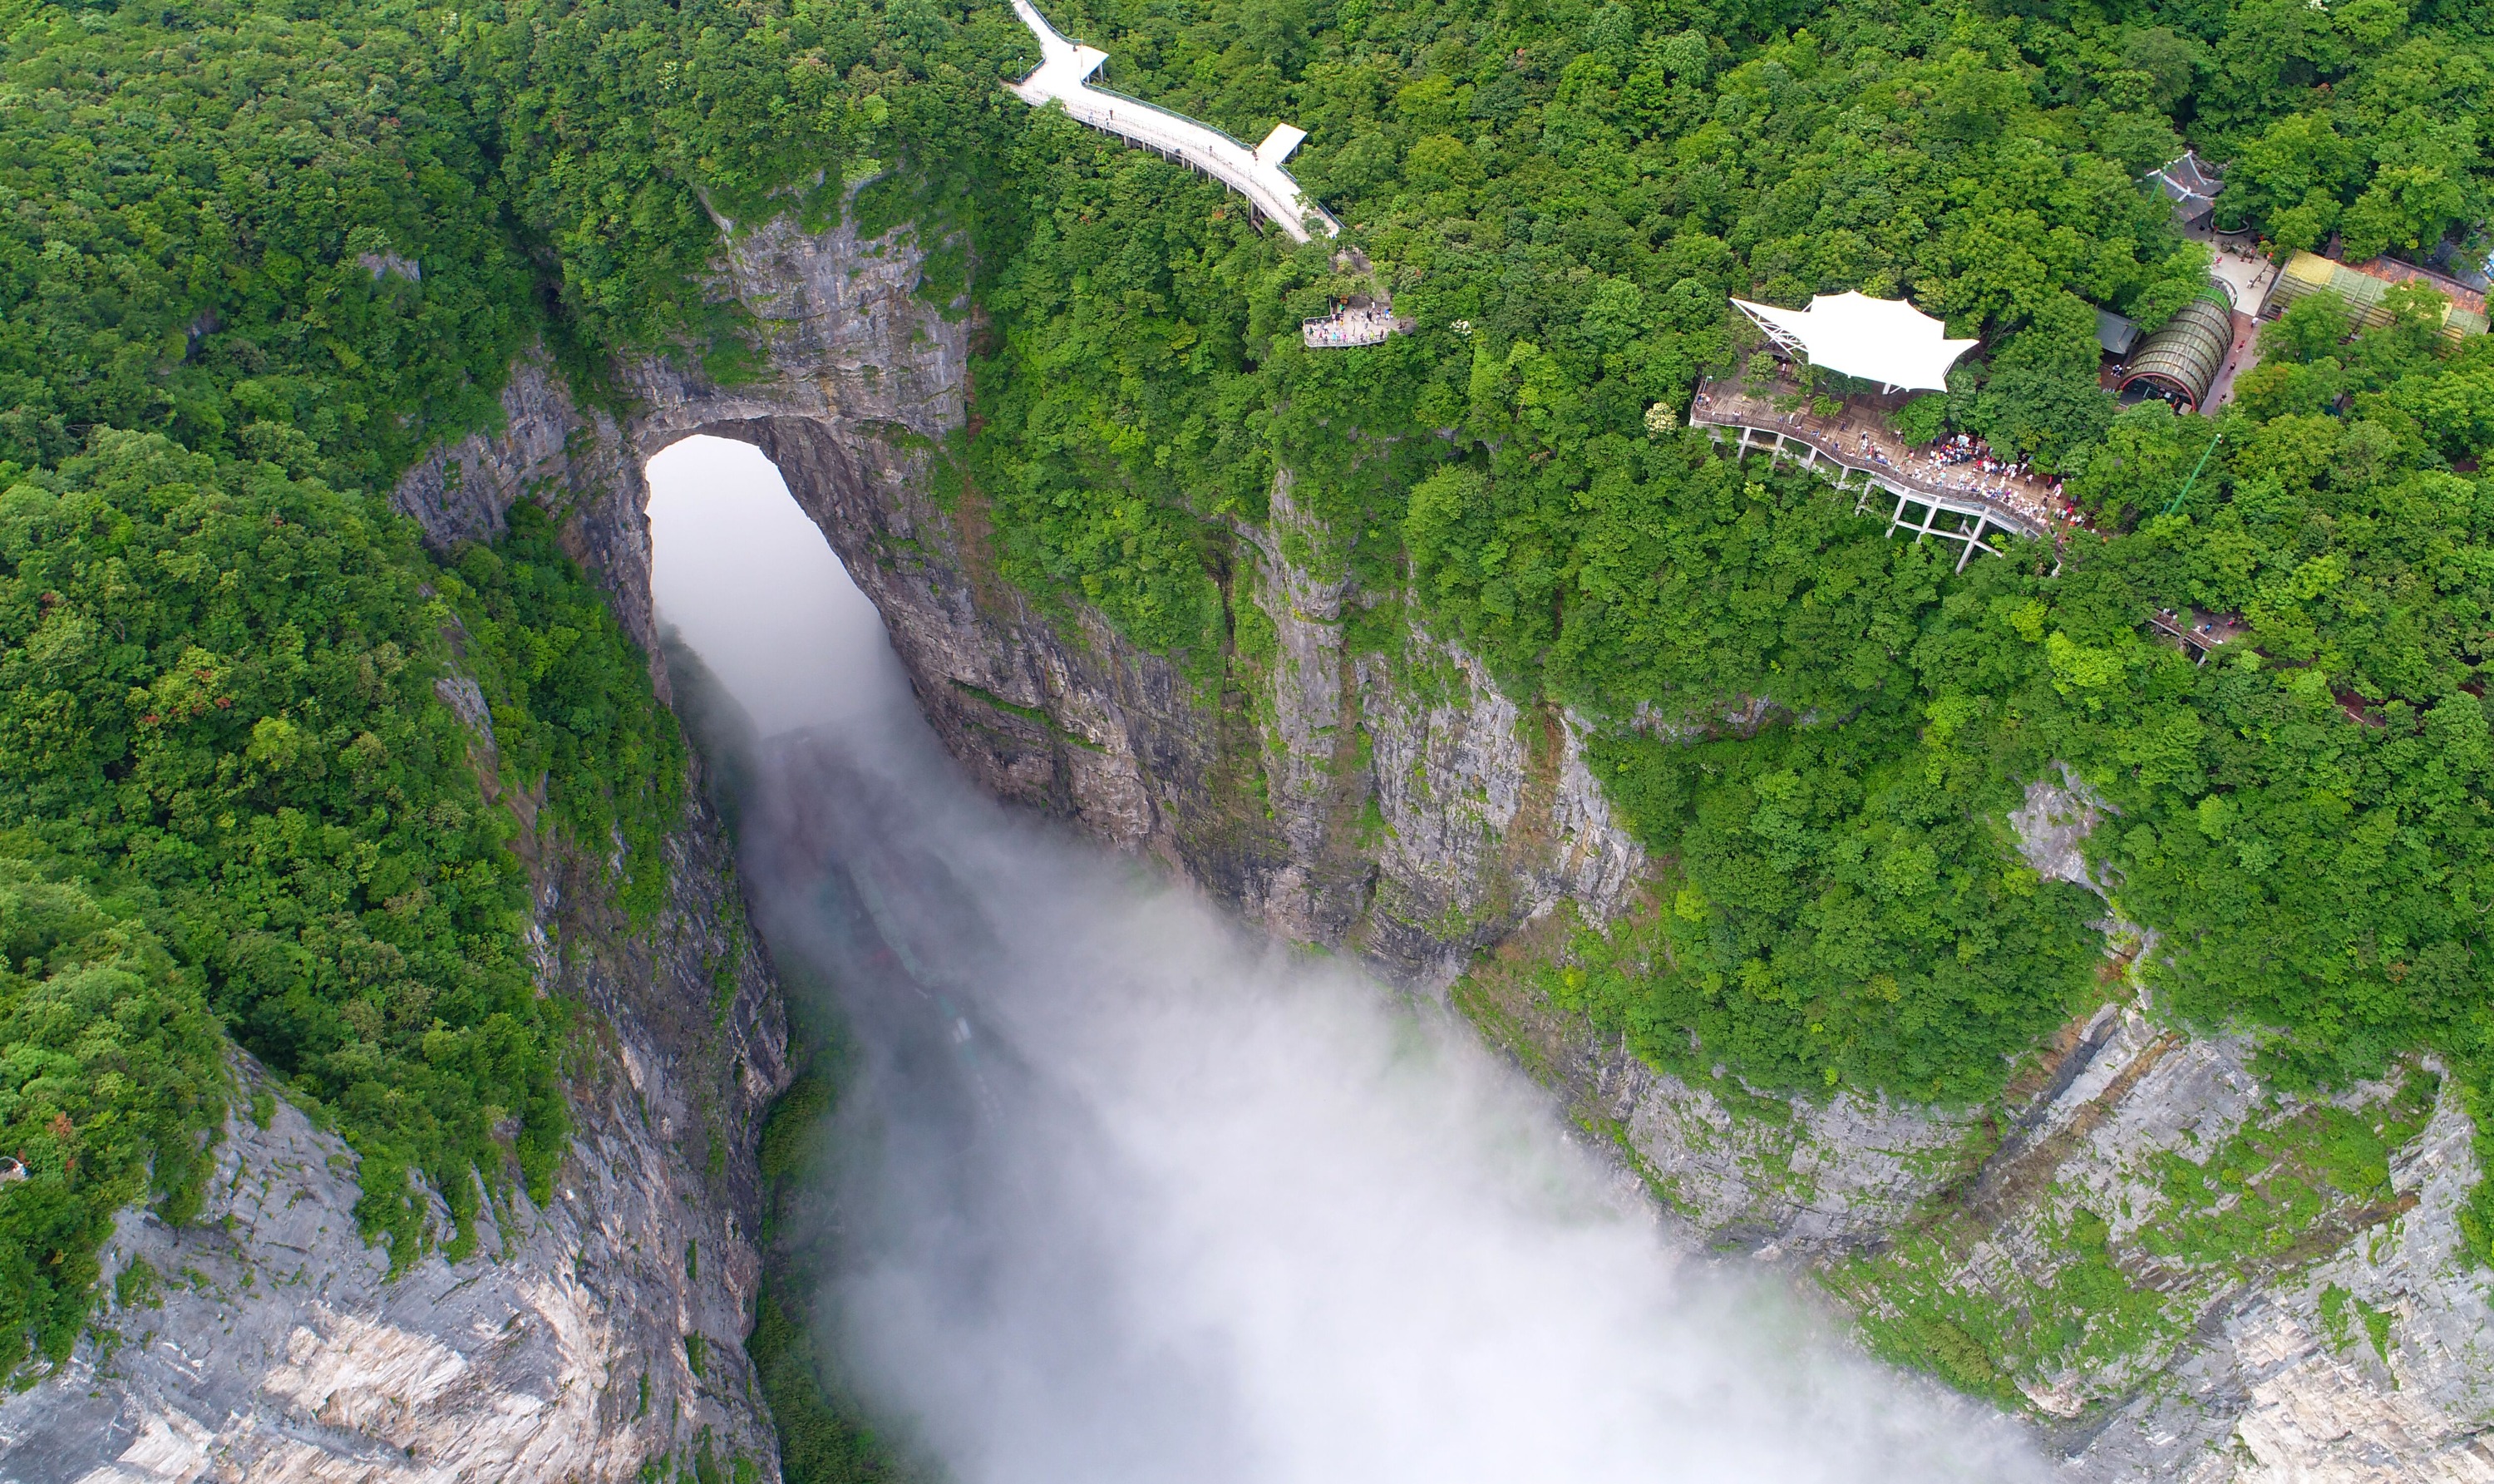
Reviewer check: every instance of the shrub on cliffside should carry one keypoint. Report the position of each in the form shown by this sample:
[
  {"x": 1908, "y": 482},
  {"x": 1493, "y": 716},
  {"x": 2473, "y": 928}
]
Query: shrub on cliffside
[{"x": 111, "y": 1086}]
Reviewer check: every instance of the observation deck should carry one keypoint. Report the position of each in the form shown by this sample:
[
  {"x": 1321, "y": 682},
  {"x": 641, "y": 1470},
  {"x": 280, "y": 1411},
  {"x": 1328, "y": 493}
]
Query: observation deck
[
  {"x": 1911, "y": 490},
  {"x": 1364, "y": 327},
  {"x": 1064, "y": 77}
]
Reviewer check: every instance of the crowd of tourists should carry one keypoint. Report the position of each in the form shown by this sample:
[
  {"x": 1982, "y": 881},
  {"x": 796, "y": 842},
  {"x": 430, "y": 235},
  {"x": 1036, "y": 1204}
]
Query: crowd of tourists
[
  {"x": 1956, "y": 464},
  {"x": 2012, "y": 482}
]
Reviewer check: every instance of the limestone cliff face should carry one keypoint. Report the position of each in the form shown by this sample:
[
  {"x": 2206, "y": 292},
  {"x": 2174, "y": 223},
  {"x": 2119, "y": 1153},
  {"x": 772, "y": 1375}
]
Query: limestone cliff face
[
  {"x": 1414, "y": 813},
  {"x": 1398, "y": 806},
  {"x": 1338, "y": 804},
  {"x": 265, "y": 1343}
]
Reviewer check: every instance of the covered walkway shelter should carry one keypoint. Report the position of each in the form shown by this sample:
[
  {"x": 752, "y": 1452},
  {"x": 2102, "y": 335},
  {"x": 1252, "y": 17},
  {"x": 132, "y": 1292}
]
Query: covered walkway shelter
[
  {"x": 1065, "y": 70},
  {"x": 1887, "y": 341},
  {"x": 2181, "y": 360}
]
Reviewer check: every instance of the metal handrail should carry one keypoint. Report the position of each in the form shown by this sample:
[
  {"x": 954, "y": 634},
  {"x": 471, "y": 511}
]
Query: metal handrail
[
  {"x": 1896, "y": 479},
  {"x": 1167, "y": 113}
]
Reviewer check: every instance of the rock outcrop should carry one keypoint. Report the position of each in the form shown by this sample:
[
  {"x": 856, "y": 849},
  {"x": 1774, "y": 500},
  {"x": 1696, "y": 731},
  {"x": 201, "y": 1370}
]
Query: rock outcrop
[
  {"x": 265, "y": 1342},
  {"x": 1400, "y": 806},
  {"x": 1349, "y": 808}
]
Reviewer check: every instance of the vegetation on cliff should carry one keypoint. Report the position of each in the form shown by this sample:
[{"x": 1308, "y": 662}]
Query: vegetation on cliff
[
  {"x": 1562, "y": 201},
  {"x": 218, "y": 684},
  {"x": 110, "y": 1058},
  {"x": 254, "y": 262}
]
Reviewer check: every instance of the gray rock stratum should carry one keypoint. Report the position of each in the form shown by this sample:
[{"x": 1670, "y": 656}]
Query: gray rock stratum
[
  {"x": 1400, "y": 806},
  {"x": 265, "y": 1342}
]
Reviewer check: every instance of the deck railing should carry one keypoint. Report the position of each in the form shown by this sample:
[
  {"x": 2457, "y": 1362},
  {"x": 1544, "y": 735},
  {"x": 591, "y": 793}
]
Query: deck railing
[
  {"x": 1092, "y": 86},
  {"x": 1924, "y": 507},
  {"x": 2023, "y": 508}
]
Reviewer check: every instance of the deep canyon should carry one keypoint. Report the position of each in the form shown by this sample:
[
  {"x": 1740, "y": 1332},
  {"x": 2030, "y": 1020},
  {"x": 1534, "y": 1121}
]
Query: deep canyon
[
  {"x": 1117, "y": 1190},
  {"x": 1430, "y": 836}
]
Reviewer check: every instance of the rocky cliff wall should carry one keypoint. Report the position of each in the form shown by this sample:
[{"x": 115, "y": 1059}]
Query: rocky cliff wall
[
  {"x": 602, "y": 1332},
  {"x": 1329, "y": 797},
  {"x": 2172, "y": 1269}
]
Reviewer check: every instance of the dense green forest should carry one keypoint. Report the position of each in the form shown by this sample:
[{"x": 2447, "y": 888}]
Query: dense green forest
[
  {"x": 257, "y": 257},
  {"x": 225, "y": 750},
  {"x": 228, "y": 796}
]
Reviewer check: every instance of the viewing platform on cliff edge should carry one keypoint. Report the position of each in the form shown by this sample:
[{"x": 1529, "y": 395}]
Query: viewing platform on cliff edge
[
  {"x": 1913, "y": 490},
  {"x": 1363, "y": 325},
  {"x": 1064, "y": 77}
]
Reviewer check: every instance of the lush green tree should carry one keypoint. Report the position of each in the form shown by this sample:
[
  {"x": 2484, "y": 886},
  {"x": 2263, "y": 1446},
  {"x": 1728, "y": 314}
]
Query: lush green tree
[
  {"x": 111, "y": 1086},
  {"x": 2041, "y": 397},
  {"x": 266, "y": 235},
  {"x": 1921, "y": 420},
  {"x": 2311, "y": 328},
  {"x": 2139, "y": 467}
]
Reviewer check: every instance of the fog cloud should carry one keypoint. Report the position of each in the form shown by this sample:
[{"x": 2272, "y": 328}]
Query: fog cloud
[
  {"x": 1123, "y": 1193},
  {"x": 751, "y": 586}
]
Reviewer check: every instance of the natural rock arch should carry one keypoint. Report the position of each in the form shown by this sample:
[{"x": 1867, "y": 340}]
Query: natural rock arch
[{"x": 868, "y": 383}]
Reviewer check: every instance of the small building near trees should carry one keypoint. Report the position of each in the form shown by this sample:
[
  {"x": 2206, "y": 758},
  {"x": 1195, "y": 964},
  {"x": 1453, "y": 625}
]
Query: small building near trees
[
  {"x": 2181, "y": 360},
  {"x": 2116, "y": 333},
  {"x": 2192, "y": 184}
]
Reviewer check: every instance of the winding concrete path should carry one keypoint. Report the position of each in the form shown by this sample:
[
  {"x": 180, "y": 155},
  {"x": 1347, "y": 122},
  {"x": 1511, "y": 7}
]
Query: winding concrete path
[{"x": 1064, "y": 77}]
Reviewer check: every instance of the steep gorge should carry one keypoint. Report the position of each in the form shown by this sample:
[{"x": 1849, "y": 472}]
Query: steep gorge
[
  {"x": 1282, "y": 622},
  {"x": 1396, "y": 806},
  {"x": 1392, "y": 804},
  {"x": 266, "y": 1341},
  {"x": 1486, "y": 816}
]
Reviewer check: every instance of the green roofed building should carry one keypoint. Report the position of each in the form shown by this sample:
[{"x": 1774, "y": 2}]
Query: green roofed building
[{"x": 2309, "y": 273}]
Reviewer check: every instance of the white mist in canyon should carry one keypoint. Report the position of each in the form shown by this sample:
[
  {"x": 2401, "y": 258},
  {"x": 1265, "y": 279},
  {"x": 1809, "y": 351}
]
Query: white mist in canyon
[{"x": 1122, "y": 1193}]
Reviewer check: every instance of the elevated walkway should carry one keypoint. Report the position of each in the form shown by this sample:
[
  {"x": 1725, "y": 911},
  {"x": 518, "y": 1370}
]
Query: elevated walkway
[
  {"x": 1910, "y": 494},
  {"x": 1064, "y": 77}
]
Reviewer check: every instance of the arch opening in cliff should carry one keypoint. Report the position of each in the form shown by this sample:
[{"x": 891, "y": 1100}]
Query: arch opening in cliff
[{"x": 742, "y": 576}]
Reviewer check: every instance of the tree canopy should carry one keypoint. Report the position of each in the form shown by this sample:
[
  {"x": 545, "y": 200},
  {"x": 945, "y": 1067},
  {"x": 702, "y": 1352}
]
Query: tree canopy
[{"x": 253, "y": 260}]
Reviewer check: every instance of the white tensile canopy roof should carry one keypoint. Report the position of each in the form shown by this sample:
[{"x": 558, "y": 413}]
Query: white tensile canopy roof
[{"x": 1887, "y": 341}]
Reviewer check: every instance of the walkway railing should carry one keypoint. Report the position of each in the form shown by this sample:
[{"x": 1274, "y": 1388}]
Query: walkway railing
[
  {"x": 1859, "y": 443},
  {"x": 1064, "y": 77},
  {"x": 1172, "y": 115},
  {"x": 1965, "y": 511}
]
